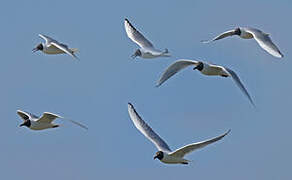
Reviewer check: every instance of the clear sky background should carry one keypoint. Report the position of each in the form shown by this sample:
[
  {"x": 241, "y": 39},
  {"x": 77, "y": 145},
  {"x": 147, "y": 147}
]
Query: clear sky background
[{"x": 188, "y": 108}]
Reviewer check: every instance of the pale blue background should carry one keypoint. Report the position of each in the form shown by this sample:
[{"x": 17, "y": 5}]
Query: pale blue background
[{"x": 189, "y": 107}]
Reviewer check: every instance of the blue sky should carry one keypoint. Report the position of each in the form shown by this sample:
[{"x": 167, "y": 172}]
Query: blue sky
[{"x": 189, "y": 107}]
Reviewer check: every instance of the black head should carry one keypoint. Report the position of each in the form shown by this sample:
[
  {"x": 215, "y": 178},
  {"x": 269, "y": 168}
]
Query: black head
[
  {"x": 158, "y": 155},
  {"x": 199, "y": 67},
  {"x": 237, "y": 31},
  {"x": 26, "y": 123},
  {"x": 39, "y": 47},
  {"x": 137, "y": 53}
]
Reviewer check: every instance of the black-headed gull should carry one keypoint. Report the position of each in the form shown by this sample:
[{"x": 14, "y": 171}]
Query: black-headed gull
[
  {"x": 263, "y": 39},
  {"x": 147, "y": 49},
  {"x": 204, "y": 68},
  {"x": 164, "y": 153},
  {"x": 51, "y": 46},
  {"x": 44, "y": 122}
]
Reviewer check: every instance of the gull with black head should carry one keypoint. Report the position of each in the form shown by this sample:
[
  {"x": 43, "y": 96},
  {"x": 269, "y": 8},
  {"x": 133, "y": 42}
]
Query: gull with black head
[
  {"x": 44, "y": 122},
  {"x": 263, "y": 39},
  {"x": 164, "y": 153},
  {"x": 147, "y": 49},
  {"x": 206, "y": 69},
  {"x": 51, "y": 46}
]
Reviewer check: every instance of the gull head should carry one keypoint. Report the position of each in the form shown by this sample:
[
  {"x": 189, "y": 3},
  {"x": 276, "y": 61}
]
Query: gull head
[
  {"x": 199, "y": 67},
  {"x": 137, "y": 53},
  {"x": 26, "y": 123},
  {"x": 38, "y": 47},
  {"x": 237, "y": 31},
  {"x": 158, "y": 155}
]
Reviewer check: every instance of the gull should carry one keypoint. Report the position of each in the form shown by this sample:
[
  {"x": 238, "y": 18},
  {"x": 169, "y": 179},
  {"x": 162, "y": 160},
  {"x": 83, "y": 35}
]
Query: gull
[
  {"x": 51, "y": 46},
  {"x": 44, "y": 122},
  {"x": 263, "y": 39},
  {"x": 164, "y": 153},
  {"x": 147, "y": 49},
  {"x": 206, "y": 69}
]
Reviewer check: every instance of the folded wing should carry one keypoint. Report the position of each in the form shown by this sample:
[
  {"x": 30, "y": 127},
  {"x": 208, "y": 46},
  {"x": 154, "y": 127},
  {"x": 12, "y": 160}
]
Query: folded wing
[
  {"x": 265, "y": 42},
  {"x": 136, "y": 36},
  {"x": 181, "y": 152},
  {"x": 146, "y": 130},
  {"x": 174, "y": 68}
]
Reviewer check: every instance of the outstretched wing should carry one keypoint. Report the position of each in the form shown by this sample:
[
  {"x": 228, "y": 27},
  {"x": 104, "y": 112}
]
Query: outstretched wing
[
  {"x": 221, "y": 36},
  {"x": 64, "y": 48},
  {"x": 239, "y": 84},
  {"x": 26, "y": 116},
  {"x": 136, "y": 36},
  {"x": 265, "y": 42},
  {"x": 181, "y": 152},
  {"x": 174, "y": 68},
  {"x": 47, "y": 38},
  {"x": 48, "y": 117},
  {"x": 146, "y": 130}
]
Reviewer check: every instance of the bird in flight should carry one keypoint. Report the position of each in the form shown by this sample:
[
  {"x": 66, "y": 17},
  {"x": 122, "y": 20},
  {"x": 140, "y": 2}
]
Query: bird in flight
[
  {"x": 164, "y": 153},
  {"x": 146, "y": 49},
  {"x": 263, "y": 39}
]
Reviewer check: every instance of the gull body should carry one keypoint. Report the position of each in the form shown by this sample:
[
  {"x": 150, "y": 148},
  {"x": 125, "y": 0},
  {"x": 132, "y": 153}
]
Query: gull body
[
  {"x": 262, "y": 38},
  {"x": 44, "y": 122},
  {"x": 52, "y": 46},
  {"x": 164, "y": 153},
  {"x": 206, "y": 69},
  {"x": 146, "y": 49}
]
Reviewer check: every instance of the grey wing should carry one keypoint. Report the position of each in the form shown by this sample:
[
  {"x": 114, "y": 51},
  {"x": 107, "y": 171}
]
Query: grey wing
[
  {"x": 26, "y": 115},
  {"x": 136, "y": 36},
  {"x": 265, "y": 42},
  {"x": 174, "y": 68},
  {"x": 48, "y": 117},
  {"x": 146, "y": 130},
  {"x": 64, "y": 48},
  {"x": 181, "y": 152},
  {"x": 47, "y": 38},
  {"x": 221, "y": 36},
  {"x": 239, "y": 84}
]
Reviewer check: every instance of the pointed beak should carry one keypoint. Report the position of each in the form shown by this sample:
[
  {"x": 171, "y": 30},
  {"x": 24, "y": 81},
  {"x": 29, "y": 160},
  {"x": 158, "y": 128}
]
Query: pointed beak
[
  {"x": 21, "y": 125},
  {"x": 195, "y": 68},
  {"x": 34, "y": 50},
  {"x": 155, "y": 157}
]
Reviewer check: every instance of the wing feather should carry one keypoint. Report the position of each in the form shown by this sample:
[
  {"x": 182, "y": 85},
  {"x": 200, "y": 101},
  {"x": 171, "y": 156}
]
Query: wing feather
[
  {"x": 136, "y": 36},
  {"x": 221, "y": 36},
  {"x": 239, "y": 84},
  {"x": 174, "y": 68},
  {"x": 64, "y": 48},
  {"x": 265, "y": 42},
  {"x": 146, "y": 130},
  {"x": 26, "y": 115},
  {"x": 181, "y": 152}
]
